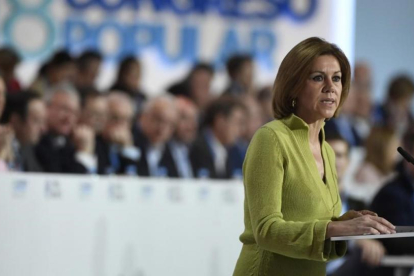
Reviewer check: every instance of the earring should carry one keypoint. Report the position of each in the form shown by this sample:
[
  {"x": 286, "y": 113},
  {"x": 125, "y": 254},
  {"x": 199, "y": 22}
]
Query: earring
[{"x": 293, "y": 103}]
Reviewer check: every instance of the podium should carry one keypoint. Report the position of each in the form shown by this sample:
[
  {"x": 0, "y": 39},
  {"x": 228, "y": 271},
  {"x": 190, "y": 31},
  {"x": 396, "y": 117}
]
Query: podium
[
  {"x": 403, "y": 264},
  {"x": 374, "y": 237}
]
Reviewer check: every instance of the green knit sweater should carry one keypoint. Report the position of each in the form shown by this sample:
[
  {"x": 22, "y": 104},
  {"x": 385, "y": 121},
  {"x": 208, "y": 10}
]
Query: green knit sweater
[{"x": 287, "y": 205}]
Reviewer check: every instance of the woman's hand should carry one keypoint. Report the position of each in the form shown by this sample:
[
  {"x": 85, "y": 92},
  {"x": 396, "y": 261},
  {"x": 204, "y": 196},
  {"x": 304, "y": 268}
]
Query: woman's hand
[
  {"x": 351, "y": 214},
  {"x": 359, "y": 225}
]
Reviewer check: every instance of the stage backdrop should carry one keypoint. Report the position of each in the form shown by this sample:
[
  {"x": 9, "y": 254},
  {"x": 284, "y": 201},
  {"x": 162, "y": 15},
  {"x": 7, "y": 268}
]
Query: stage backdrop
[
  {"x": 93, "y": 226},
  {"x": 170, "y": 35}
]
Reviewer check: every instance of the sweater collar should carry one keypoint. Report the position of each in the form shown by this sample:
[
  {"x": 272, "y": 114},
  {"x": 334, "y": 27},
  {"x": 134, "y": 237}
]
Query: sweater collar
[{"x": 298, "y": 125}]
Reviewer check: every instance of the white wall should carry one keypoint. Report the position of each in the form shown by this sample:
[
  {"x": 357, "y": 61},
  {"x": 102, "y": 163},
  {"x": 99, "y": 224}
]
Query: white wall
[{"x": 384, "y": 37}]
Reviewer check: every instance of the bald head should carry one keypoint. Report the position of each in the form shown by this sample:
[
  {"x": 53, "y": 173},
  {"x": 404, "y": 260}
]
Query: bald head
[
  {"x": 159, "y": 118},
  {"x": 120, "y": 112},
  {"x": 119, "y": 99}
]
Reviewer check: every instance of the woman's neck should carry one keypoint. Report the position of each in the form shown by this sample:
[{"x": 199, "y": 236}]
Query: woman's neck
[
  {"x": 314, "y": 130},
  {"x": 315, "y": 126}
]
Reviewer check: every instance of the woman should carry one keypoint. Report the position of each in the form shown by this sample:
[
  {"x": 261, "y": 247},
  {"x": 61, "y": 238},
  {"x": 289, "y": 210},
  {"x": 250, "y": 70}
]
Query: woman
[
  {"x": 292, "y": 202},
  {"x": 128, "y": 81}
]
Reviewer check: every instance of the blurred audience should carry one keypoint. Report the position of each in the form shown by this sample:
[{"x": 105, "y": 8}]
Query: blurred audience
[
  {"x": 380, "y": 159},
  {"x": 184, "y": 136},
  {"x": 9, "y": 59},
  {"x": 223, "y": 126},
  {"x": 87, "y": 70},
  {"x": 66, "y": 147},
  {"x": 240, "y": 70},
  {"x": 121, "y": 133},
  {"x": 362, "y": 90},
  {"x": 60, "y": 69},
  {"x": 154, "y": 130},
  {"x": 362, "y": 254},
  {"x": 26, "y": 114},
  {"x": 354, "y": 121},
  {"x": 395, "y": 112},
  {"x": 6, "y": 133},
  {"x": 115, "y": 147},
  {"x": 253, "y": 119},
  {"x": 264, "y": 98},
  {"x": 398, "y": 195},
  {"x": 128, "y": 81},
  {"x": 196, "y": 86},
  {"x": 94, "y": 111}
]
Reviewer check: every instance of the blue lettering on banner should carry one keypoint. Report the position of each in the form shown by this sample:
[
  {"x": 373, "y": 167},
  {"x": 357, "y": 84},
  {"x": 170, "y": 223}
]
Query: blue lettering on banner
[
  {"x": 97, "y": 34},
  {"x": 175, "y": 194},
  {"x": 53, "y": 189},
  {"x": 263, "y": 43},
  {"x": 19, "y": 188},
  {"x": 147, "y": 191},
  {"x": 264, "y": 9},
  {"x": 85, "y": 190},
  {"x": 77, "y": 33},
  {"x": 204, "y": 193},
  {"x": 229, "y": 46},
  {"x": 116, "y": 191}
]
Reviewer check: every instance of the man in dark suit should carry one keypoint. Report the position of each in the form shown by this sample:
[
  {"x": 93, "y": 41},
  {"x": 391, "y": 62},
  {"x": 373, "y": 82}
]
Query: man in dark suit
[
  {"x": 210, "y": 152},
  {"x": 26, "y": 114},
  {"x": 114, "y": 147},
  {"x": 151, "y": 135},
  {"x": 66, "y": 147},
  {"x": 184, "y": 135}
]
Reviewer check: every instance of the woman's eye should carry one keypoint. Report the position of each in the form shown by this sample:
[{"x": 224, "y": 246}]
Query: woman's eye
[
  {"x": 337, "y": 78},
  {"x": 318, "y": 78}
]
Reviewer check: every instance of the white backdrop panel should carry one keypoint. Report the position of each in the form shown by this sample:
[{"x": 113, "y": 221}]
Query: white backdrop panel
[{"x": 80, "y": 225}]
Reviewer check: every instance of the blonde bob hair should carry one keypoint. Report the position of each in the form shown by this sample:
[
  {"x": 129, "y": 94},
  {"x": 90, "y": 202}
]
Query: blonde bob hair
[{"x": 295, "y": 69}]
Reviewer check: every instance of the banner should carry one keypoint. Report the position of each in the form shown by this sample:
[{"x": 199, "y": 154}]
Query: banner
[
  {"x": 171, "y": 35},
  {"x": 90, "y": 225}
]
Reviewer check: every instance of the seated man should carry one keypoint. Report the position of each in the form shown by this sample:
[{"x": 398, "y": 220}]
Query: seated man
[
  {"x": 66, "y": 147},
  {"x": 114, "y": 148},
  {"x": 151, "y": 135},
  {"x": 94, "y": 111},
  {"x": 184, "y": 136},
  {"x": 209, "y": 154},
  {"x": 26, "y": 114}
]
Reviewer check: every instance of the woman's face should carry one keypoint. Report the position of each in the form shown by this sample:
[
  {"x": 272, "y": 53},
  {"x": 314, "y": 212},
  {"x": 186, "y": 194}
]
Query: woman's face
[{"x": 321, "y": 94}]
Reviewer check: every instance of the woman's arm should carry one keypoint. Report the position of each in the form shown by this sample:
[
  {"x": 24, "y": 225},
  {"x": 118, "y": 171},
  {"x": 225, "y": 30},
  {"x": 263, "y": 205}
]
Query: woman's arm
[{"x": 264, "y": 178}]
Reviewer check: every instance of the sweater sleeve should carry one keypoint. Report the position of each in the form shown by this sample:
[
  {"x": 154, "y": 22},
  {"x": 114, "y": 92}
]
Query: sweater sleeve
[{"x": 264, "y": 179}]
